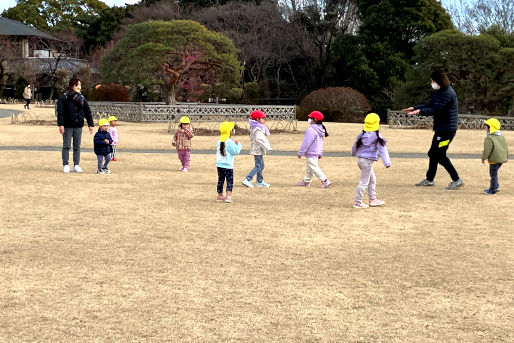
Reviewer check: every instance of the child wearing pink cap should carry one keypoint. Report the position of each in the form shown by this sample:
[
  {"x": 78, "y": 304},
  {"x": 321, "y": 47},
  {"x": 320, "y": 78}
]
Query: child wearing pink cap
[
  {"x": 312, "y": 149},
  {"x": 259, "y": 146}
]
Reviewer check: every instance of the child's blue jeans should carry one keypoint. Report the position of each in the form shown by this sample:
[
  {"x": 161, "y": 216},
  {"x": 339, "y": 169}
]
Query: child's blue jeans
[
  {"x": 101, "y": 159},
  {"x": 259, "y": 167}
]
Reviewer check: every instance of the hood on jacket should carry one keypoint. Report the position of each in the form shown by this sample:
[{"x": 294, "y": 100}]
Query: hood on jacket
[{"x": 319, "y": 129}]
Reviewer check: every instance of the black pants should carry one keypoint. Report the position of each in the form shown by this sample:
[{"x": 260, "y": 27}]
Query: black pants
[
  {"x": 223, "y": 174},
  {"x": 27, "y": 103},
  {"x": 437, "y": 155}
]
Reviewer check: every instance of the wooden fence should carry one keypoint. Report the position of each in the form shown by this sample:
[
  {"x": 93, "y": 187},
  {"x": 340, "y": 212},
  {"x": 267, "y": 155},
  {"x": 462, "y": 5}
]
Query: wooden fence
[
  {"x": 401, "y": 120},
  {"x": 210, "y": 115}
]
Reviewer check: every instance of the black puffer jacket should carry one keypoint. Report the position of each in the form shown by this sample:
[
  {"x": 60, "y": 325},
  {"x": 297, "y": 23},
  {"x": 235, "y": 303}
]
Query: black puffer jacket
[
  {"x": 71, "y": 113},
  {"x": 444, "y": 107}
]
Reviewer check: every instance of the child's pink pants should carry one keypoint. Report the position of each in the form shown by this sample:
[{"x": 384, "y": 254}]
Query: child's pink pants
[{"x": 184, "y": 157}]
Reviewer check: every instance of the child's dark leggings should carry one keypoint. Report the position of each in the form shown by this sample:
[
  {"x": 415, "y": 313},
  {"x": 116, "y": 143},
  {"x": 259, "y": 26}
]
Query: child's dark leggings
[{"x": 223, "y": 174}]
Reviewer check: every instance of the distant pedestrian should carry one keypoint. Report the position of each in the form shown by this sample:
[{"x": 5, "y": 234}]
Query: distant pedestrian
[
  {"x": 72, "y": 108},
  {"x": 113, "y": 131},
  {"x": 443, "y": 106},
  {"x": 312, "y": 149},
  {"x": 27, "y": 95},
  {"x": 367, "y": 147},
  {"x": 102, "y": 146},
  {"x": 259, "y": 146},
  {"x": 226, "y": 149},
  {"x": 182, "y": 141},
  {"x": 496, "y": 152}
]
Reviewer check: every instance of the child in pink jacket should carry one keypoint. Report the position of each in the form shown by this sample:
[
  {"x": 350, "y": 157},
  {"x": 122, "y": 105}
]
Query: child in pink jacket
[{"x": 113, "y": 131}]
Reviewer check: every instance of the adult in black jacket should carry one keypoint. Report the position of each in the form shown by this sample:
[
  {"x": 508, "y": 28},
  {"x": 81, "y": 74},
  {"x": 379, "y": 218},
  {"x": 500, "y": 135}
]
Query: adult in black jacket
[
  {"x": 72, "y": 108},
  {"x": 443, "y": 106}
]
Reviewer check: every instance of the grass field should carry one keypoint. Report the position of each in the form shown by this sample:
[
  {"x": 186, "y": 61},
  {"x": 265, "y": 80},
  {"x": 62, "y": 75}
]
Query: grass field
[{"x": 145, "y": 254}]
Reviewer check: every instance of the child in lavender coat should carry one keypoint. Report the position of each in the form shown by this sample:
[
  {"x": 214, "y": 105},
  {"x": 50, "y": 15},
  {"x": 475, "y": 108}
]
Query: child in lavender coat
[
  {"x": 368, "y": 145},
  {"x": 312, "y": 149}
]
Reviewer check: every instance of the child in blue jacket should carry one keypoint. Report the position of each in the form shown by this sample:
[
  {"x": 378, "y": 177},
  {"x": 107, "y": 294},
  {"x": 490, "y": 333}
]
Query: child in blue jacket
[
  {"x": 102, "y": 146},
  {"x": 225, "y": 151}
]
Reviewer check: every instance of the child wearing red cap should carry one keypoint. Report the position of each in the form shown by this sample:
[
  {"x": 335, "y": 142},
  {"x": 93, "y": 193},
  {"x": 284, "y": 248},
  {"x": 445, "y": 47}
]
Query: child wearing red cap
[
  {"x": 259, "y": 146},
  {"x": 312, "y": 149}
]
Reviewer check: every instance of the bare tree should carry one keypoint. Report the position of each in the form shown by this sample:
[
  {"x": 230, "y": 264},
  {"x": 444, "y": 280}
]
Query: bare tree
[
  {"x": 11, "y": 50},
  {"x": 471, "y": 16}
]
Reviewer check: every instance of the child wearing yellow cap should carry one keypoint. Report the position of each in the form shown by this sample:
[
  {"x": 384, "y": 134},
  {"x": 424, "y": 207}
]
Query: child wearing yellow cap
[
  {"x": 495, "y": 151},
  {"x": 367, "y": 147},
  {"x": 102, "y": 142},
  {"x": 226, "y": 149},
  {"x": 113, "y": 131},
  {"x": 182, "y": 141}
]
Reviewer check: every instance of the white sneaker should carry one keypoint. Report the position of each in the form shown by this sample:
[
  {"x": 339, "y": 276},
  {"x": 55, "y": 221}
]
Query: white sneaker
[
  {"x": 66, "y": 169},
  {"x": 376, "y": 202},
  {"x": 77, "y": 169},
  {"x": 247, "y": 183},
  {"x": 262, "y": 184}
]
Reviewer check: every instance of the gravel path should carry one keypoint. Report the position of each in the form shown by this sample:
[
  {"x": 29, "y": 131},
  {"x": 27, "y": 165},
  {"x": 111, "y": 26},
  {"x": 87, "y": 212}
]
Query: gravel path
[{"x": 244, "y": 152}]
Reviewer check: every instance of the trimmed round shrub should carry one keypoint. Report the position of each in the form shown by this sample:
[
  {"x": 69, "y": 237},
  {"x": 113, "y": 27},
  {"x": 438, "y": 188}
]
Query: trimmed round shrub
[{"x": 342, "y": 104}]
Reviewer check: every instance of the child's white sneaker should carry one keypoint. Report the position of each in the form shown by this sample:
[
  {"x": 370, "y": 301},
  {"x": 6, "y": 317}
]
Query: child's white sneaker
[
  {"x": 376, "y": 202},
  {"x": 184, "y": 170},
  {"x": 106, "y": 171},
  {"x": 77, "y": 169},
  {"x": 228, "y": 199},
  {"x": 66, "y": 169},
  {"x": 360, "y": 205},
  {"x": 100, "y": 172},
  {"x": 262, "y": 184},
  {"x": 247, "y": 183}
]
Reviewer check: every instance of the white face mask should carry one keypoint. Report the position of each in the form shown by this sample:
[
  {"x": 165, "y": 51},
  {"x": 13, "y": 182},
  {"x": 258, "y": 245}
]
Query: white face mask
[
  {"x": 435, "y": 86},
  {"x": 309, "y": 120}
]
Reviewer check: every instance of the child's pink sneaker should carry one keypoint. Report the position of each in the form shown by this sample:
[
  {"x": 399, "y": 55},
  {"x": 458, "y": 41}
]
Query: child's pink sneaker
[
  {"x": 360, "y": 205},
  {"x": 326, "y": 183},
  {"x": 220, "y": 198},
  {"x": 376, "y": 202},
  {"x": 303, "y": 184}
]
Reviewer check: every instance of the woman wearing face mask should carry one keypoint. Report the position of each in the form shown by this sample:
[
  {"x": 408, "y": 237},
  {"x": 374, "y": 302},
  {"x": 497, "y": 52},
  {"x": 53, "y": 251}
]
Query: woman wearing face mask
[
  {"x": 443, "y": 106},
  {"x": 72, "y": 108}
]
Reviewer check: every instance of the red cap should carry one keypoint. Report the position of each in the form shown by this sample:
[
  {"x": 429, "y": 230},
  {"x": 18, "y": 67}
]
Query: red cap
[
  {"x": 317, "y": 115},
  {"x": 257, "y": 114}
]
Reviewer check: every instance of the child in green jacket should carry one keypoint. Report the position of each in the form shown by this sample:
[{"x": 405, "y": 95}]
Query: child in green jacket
[{"x": 495, "y": 151}]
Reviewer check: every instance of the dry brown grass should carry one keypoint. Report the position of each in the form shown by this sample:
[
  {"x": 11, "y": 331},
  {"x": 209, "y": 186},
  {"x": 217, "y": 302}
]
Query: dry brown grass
[{"x": 145, "y": 254}]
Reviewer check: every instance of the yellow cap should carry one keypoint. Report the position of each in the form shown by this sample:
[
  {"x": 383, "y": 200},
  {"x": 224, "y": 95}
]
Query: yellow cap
[
  {"x": 371, "y": 122},
  {"x": 225, "y": 129},
  {"x": 494, "y": 124},
  {"x": 184, "y": 120},
  {"x": 112, "y": 118},
  {"x": 103, "y": 122}
]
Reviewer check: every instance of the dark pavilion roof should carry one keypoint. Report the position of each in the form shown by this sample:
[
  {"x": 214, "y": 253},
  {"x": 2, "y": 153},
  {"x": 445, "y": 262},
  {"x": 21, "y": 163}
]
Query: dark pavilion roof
[{"x": 9, "y": 27}]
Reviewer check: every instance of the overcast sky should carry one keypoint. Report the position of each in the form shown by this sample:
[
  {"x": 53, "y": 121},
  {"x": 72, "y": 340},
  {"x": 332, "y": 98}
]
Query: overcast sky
[{"x": 5, "y": 4}]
